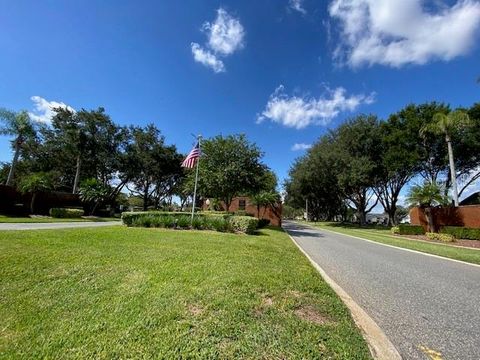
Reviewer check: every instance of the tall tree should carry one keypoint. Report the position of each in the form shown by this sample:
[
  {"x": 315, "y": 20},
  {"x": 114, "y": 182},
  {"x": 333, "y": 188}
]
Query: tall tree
[
  {"x": 398, "y": 161},
  {"x": 446, "y": 125},
  {"x": 356, "y": 149},
  {"x": 20, "y": 126},
  {"x": 230, "y": 166},
  {"x": 35, "y": 183},
  {"x": 151, "y": 167}
]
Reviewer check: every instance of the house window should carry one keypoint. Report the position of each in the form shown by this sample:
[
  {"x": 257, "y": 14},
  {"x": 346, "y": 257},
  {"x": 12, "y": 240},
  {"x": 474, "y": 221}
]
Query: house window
[{"x": 241, "y": 204}]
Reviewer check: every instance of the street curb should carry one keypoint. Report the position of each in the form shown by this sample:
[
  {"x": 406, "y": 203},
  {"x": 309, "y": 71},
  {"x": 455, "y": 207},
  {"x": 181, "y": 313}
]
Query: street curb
[{"x": 380, "y": 346}]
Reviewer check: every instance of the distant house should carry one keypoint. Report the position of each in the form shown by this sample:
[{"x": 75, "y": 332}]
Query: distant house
[{"x": 243, "y": 203}]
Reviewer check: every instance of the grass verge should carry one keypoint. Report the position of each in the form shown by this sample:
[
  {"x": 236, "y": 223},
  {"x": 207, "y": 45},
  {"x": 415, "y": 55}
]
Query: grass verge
[
  {"x": 12, "y": 219},
  {"x": 385, "y": 237},
  {"x": 119, "y": 292}
]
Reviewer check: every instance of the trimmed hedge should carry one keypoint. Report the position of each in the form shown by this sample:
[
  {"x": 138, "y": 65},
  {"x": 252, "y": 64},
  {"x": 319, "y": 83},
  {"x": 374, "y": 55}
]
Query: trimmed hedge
[
  {"x": 66, "y": 213},
  {"x": 405, "y": 229},
  {"x": 460, "y": 232},
  {"x": 245, "y": 224},
  {"x": 440, "y": 237},
  {"x": 182, "y": 220},
  {"x": 263, "y": 222}
]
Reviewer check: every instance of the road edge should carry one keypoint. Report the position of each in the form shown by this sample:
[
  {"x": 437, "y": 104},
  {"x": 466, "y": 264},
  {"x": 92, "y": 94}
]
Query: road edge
[{"x": 380, "y": 346}]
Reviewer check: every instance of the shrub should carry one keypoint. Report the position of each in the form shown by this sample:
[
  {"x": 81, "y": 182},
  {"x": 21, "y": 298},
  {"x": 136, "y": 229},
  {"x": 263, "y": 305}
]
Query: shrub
[
  {"x": 440, "y": 237},
  {"x": 245, "y": 224},
  {"x": 405, "y": 229},
  {"x": 395, "y": 230},
  {"x": 459, "y": 232},
  {"x": 262, "y": 223},
  {"x": 201, "y": 221},
  {"x": 242, "y": 213},
  {"x": 66, "y": 213}
]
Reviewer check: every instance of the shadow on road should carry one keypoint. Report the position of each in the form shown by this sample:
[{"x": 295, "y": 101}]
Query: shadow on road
[{"x": 295, "y": 229}]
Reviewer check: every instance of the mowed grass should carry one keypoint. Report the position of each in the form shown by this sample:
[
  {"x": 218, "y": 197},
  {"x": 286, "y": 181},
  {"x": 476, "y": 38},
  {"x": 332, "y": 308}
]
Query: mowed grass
[
  {"x": 385, "y": 237},
  {"x": 120, "y": 292},
  {"x": 13, "y": 219}
]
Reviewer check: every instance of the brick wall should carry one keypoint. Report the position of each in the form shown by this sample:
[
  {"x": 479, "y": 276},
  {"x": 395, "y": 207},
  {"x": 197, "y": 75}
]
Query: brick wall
[
  {"x": 275, "y": 217},
  {"x": 467, "y": 216}
]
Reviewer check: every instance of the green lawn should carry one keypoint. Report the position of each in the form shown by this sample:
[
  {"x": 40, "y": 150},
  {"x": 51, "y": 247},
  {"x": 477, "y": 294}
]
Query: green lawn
[
  {"x": 384, "y": 236},
  {"x": 10, "y": 219},
  {"x": 120, "y": 292}
]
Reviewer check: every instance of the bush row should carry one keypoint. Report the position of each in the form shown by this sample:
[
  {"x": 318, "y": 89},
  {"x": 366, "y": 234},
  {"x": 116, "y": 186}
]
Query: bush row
[
  {"x": 459, "y": 232},
  {"x": 406, "y": 229},
  {"x": 66, "y": 213},
  {"x": 182, "y": 220}
]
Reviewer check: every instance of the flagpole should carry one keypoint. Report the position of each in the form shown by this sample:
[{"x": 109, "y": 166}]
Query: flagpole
[{"x": 199, "y": 137}]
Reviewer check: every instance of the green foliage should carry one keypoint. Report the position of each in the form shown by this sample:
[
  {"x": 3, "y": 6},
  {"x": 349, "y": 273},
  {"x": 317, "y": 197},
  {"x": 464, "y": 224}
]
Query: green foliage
[
  {"x": 440, "y": 237},
  {"x": 230, "y": 166},
  {"x": 66, "y": 213},
  {"x": 180, "y": 220},
  {"x": 426, "y": 195},
  {"x": 460, "y": 232},
  {"x": 395, "y": 230},
  {"x": 36, "y": 182},
  {"x": 244, "y": 224},
  {"x": 405, "y": 229},
  {"x": 94, "y": 192}
]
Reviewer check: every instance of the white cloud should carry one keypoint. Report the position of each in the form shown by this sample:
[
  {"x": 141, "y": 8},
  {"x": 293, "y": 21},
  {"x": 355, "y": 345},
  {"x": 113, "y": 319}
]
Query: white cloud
[
  {"x": 301, "y": 146},
  {"x": 43, "y": 109},
  {"x": 206, "y": 58},
  {"x": 225, "y": 36},
  {"x": 399, "y": 32},
  {"x": 300, "y": 112},
  {"x": 297, "y": 5}
]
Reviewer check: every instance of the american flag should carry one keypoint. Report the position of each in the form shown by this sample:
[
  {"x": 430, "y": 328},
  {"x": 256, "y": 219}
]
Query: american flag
[{"x": 192, "y": 157}]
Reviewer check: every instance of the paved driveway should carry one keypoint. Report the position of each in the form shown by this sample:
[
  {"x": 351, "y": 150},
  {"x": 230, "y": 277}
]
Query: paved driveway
[
  {"x": 60, "y": 225},
  {"x": 419, "y": 301}
]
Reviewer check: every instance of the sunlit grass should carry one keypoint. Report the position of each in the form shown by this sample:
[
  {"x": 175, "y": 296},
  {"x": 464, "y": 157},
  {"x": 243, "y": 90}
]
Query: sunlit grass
[{"x": 120, "y": 292}]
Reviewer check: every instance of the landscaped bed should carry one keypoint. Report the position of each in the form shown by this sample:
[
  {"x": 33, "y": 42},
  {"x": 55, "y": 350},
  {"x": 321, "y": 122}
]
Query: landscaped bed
[{"x": 121, "y": 292}]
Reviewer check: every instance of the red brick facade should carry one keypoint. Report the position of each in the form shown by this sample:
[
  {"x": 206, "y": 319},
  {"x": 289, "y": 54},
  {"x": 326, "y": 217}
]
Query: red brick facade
[
  {"x": 275, "y": 216},
  {"x": 467, "y": 216}
]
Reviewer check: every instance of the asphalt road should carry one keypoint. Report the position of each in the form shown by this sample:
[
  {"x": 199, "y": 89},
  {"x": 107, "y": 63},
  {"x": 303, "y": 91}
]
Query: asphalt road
[
  {"x": 419, "y": 301},
  {"x": 60, "y": 225}
]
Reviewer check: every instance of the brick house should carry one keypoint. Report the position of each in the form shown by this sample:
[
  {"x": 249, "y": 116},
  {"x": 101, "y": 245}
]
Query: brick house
[{"x": 243, "y": 203}]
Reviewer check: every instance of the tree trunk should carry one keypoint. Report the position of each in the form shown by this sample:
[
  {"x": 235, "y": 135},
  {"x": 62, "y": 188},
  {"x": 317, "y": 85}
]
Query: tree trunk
[
  {"x": 14, "y": 162},
  {"x": 429, "y": 216},
  {"x": 32, "y": 203},
  {"x": 145, "y": 197},
  {"x": 77, "y": 175},
  {"x": 392, "y": 220},
  {"x": 362, "y": 217},
  {"x": 452, "y": 171}
]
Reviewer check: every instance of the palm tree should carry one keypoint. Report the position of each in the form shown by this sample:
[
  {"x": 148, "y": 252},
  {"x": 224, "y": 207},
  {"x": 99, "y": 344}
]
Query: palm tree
[
  {"x": 447, "y": 124},
  {"x": 426, "y": 196},
  {"x": 34, "y": 183},
  {"x": 20, "y": 126}
]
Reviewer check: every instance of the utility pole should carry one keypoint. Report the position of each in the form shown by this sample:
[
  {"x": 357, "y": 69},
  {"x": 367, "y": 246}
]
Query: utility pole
[{"x": 306, "y": 209}]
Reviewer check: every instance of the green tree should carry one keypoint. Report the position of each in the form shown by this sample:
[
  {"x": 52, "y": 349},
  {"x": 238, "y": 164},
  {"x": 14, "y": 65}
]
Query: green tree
[
  {"x": 94, "y": 193},
  {"x": 398, "y": 161},
  {"x": 357, "y": 145},
  {"x": 426, "y": 196},
  {"x": 151, "y": 167},
  {"x": 230, "y": 166},
  {"x": 20, "y": 126},
  {"x": 446, "y": 125},
  {"x": 35, "y": 183}
]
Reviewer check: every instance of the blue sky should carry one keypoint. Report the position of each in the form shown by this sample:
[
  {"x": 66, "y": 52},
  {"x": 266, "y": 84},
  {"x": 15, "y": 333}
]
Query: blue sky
[{"x": 281, "y": 71}]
